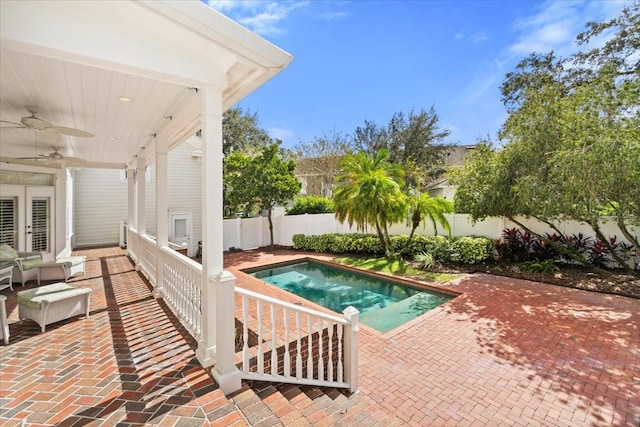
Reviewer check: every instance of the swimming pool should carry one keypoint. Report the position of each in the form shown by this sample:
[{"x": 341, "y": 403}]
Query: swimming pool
[{"x": 383, "y": 304}]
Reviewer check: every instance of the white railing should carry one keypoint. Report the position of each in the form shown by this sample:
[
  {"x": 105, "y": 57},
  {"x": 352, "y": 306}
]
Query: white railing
[
  {"x": 147, "y": 257},
  {"x": 181, "y": 282},
  {"x": 132, "y": 244},
  {"x": 282, "y": 342},
  {"x": 122, "y": 234}
]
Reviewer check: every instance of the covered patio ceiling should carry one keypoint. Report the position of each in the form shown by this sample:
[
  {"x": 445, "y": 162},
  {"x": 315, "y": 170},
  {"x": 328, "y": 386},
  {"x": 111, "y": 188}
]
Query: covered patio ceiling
[{"x": 75, "y": 61}]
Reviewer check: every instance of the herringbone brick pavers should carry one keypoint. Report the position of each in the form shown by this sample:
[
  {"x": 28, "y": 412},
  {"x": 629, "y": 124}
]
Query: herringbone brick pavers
[
  {"x": 129, "y": 363},
  {"x": 504, "y": 352}
]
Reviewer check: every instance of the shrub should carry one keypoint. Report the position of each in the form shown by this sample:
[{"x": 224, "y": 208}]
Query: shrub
[
  {"x": 579, "y": 244},
  {"x": 425, "y": 261},
  {"x": 542, "y": 250},
  {"x": 311, "y": 205},
  {"x": 365, "y": 244},
  {"x": 514, "y": 245},
  {"x": 599, "y": 255},
  {"x": 469, "y": 250},
  {"x": 547, "y": 266}
]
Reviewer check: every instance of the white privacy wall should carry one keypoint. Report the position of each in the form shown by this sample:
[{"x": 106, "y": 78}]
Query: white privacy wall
[{"x": 254, "y": 232}]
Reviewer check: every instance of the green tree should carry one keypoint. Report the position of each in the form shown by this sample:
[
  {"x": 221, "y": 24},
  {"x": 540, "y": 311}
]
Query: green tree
[
  {"x": 369, "y": 192},
  {"x": 264, "y": 180},
  {"x": 415, "y": 141},
  {"x": 240, "y": 132},
  {"x": 311, "y": 205},
  {"x": 422, "y": 207},
  {"x": 571, "y": 138},
  {"x": 318, "y": 161},
  {"x": 238, "y": 196}
]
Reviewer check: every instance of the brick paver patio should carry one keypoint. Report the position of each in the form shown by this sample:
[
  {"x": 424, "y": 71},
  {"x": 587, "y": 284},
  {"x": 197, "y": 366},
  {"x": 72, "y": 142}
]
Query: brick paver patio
[{"x": 504, "y": 352}]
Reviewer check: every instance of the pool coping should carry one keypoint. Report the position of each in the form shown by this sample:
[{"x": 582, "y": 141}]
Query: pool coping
[{"x": 386, "y": 276}]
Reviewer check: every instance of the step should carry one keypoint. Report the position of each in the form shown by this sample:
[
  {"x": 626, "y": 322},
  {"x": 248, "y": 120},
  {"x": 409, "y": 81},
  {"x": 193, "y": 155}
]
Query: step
[{"x": 270, "y": 404}]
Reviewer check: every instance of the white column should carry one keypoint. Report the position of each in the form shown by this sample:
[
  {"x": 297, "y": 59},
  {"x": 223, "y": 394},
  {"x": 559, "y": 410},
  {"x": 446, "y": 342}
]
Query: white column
[
  {"x": 162, "y": 186},
  {"x": 218, "y": 321},
  {"x": 131, "y": 195},
  {"x": 141, "y": 223},
  {"x": 131, "y": 205},
  {"x": 351, "y": 347}
]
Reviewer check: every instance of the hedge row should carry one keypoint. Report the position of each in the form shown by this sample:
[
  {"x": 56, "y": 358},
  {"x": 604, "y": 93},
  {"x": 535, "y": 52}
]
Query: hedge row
[{"x": 467, "y": 250}]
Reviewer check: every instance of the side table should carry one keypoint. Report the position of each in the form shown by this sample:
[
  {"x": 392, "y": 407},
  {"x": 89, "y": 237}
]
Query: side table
[{"x": 6, "y": 273}]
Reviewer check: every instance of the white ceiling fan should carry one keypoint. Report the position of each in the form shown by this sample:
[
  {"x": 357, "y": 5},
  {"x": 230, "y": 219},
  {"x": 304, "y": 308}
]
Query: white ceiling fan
[
  {"x": 34, "y": 122},
  {"x": 56, "y": 156}
]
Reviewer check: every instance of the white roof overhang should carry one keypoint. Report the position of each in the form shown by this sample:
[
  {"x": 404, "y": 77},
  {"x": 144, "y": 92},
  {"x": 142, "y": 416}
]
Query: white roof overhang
[{"x": 72, "y": 60}]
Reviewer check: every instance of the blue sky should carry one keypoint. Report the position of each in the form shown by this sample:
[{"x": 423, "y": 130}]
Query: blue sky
[{"x": 365, "y": 60}]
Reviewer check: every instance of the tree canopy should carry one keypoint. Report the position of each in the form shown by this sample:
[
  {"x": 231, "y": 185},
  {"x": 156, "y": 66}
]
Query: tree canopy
[
  {"x": 318, "y": 161},
  {"x": 260, "y": 181},
  {"x": 415, "y": 141},
  {"x": 571, "y": 140},
  {"x": 369, "y": 192},
  {"x": 240, "y": 132}
]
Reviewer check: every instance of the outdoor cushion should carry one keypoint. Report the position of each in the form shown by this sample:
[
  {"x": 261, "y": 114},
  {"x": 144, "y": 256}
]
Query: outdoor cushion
[
  {"x": 68, "y": 261},
  {"x": 8, "y": 252},
  {"x": 51, "y": 293},
  {"x": 29, "y": 263}
]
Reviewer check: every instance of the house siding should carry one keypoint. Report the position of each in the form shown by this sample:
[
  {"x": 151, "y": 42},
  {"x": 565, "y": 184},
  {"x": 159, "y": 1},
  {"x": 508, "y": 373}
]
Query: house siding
[
  {"x": 101, "y": 199},
  {"x": 100, "y": 204},
  {"x": 184, "y": 192}
]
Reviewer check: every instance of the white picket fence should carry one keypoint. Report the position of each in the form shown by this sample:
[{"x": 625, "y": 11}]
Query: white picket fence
[{"x": 250, "y": 233}]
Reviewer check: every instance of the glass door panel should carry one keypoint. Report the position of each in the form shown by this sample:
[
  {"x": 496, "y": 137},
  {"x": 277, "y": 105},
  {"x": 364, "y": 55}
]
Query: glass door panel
[
  {"x": 9, "y": 221},
  {"x": 40, "y": 225},
  {"x": 39, "y": 218}
]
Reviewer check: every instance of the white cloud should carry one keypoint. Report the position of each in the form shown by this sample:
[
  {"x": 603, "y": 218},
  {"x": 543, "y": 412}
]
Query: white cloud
[
  {"x": 556, "y": 24},
  {"x": 480, "y": 85},
  {"x": 555, "y": 36},
  {"x": 333, "y": 15},
  {"x": 552, "y": 28},
  {"x": 479, "y": 37},
  {"x": 283, "y": 134},
  {"x": 458, "y": 36},
  {"x": 262, "y": 17}
]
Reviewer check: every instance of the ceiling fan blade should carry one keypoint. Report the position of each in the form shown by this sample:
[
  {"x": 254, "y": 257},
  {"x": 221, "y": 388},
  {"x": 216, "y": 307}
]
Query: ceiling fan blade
[
  {"x": 18, "y": 125},
  {"x": 68, "y": 131},
  {"x": 101, "y": 165},
  {"x": 73, "y": 161},
  {"x": 26, "y": 162}
]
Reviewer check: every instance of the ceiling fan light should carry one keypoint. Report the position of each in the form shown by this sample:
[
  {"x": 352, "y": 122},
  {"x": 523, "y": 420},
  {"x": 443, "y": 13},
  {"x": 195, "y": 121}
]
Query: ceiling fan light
[{"x": 35, "y": 123}]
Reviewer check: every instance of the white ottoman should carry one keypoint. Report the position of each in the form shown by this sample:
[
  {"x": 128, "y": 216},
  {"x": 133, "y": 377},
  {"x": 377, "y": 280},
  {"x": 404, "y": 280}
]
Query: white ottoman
[
  {"x": 62, "y": 268},
  {"x": 53, "y": 303}
]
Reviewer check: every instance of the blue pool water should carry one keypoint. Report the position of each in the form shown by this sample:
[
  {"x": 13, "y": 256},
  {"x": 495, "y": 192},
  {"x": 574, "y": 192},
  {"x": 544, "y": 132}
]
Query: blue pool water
[{"x": 383, "y": 304}]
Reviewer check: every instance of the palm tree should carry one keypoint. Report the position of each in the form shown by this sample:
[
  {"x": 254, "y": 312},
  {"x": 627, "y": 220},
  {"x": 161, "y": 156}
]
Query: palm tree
[
  {"x": 369, "y": 193},
  {"x": 434, "y": 208}
]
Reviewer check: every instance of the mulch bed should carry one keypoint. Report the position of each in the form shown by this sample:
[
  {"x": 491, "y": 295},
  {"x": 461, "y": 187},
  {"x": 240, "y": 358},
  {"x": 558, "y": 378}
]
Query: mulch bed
[{"x": 610, "y": 282}]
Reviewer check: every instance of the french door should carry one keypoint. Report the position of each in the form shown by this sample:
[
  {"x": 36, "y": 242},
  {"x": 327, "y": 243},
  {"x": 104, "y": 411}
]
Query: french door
[{"x": 26, "y": 217}]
